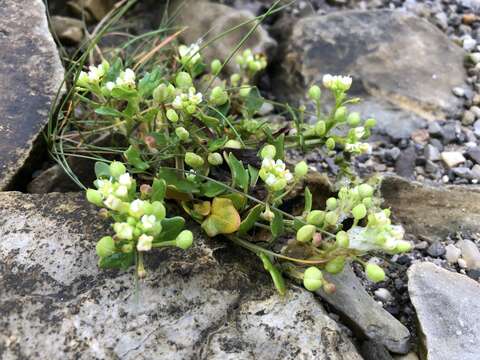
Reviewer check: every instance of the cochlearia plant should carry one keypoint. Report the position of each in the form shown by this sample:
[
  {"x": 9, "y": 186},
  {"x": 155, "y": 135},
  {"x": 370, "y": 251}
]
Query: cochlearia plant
[{"x": 198, "y": 148}]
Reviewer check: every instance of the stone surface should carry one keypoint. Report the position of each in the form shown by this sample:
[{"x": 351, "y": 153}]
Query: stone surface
[
  {"x": 30, "y": 76},
  {"x": 209, "y": 302},
  {"x": 448, "y": 312},
  {"x": 470, "y": 254},
  {"x": 399, "y": 75},
  {"x": 364, "y": 315},
  {"x": 452, "y": 158},
  {"x": 68, "y": 30},
  {"x": 205, "y": 21},
  {"x": 432, "y": 212}
]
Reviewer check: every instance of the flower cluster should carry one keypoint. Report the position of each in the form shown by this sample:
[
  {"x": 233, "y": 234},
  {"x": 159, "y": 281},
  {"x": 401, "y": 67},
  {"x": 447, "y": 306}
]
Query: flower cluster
[
  {"x": 189, "y": 55},
  {"x": 125, "y": 79},
  {"x": 187, "y": 101},
  {"x": 274, "y": 173},
  {"x": 250, "y": 62},
  {"x": 94, "y": 76},
  {"x": 337, "y": 82}
]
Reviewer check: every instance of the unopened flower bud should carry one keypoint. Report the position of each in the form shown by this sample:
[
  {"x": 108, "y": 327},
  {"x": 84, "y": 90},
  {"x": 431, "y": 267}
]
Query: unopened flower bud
[
  {"x": 314, "y": 93},
  {"x": 320, "y": 128},
  {"x": 193, "y": 160},
  {"x": 182, "y": 133},
  {"x": 117, "y": 168},
  {"x": 312, "y": 278},
  {"x": 316, "y": 217},
  {"x": 244, "y": 91},
  {"x": 268, "y": 152},
  {"x": 353, "y": 119},
  {"x": 341, "y": 239},
  {"x": 340, "y": 114},
  {"x": 184, "y": 239},
  {"x": 158, "y": 209},
  {"x": 145, "y": 190},
  {"x": 151, "y": 143},
  {"x": 331, "y": 203},
  {"x": 172, "y": 115},
  {"x": 218, "y": 96},
  {"x": 374, "y": 272},
  {"x": 268, "y": 215},
  {"x": 331, "y": 218},
  {"x": 123, "y": 230},
  {"x": 301, "y": 169},
  {"x": 359, "y": 212},
  {"x": 216, "y": 66},
  {"x": 368, "y": 202},
  {"x": 330, "y": 143},
  {"x": 105, "y": 247},
  {"x": 336, "y": 265},
  {"x": 183, "y": 80},
  {"x": 305, "y": 233},
  {"x": 215, "y": 159},
  {"x": 95, "y": 197},
  {"x": 403, "y": 246},
  {"x": 144, "y": 243},
  {"x": 127, "y": 248},
  {"x": 370, "y": 123},
  {"x": 365, "y": 190},
  {"x": 235, "y": 79}
]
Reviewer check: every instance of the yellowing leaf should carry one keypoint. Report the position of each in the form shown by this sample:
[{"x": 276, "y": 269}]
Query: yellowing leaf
[{"x": 223, "y": 219}]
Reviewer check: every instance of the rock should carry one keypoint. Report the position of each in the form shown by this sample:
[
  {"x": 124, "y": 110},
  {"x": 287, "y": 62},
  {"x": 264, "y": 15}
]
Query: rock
[
  {"x": 434, "y": 129},
  {"x": 475, "y": 172},
  {"x": 469, "y": 43},
  {"x": 372, "y": 350},
  {"x": 452, "y": 158},
  {"x": 388, "y": 53},
  {"x": 448, "y": 312},
  {"x": 409, "y": 356},
  {"x": 470, "y": 253},
  {"x": 203, "y": 17},
  {"x": 436, "y": 249},
  {"x": 365, "y": 315},
  {"x": 207, "y": 302},
  {"x": 383, "y": 295},
  {"x": 432, "y": 212},
  {"x": 68, "y": 30},
  {"x": 452, "y": 253},
  {"x": 405, "y": 164},
  {"x": 474, "y": 154},
  {"x": 462, "y": 172},
  {"x": 458, "y": 91},
  {"x": 431, "y": 153},
  {"x": 30, "y": 76},
  {"x": 91, "y": 9},
  {"x": 468, "y": 118}
]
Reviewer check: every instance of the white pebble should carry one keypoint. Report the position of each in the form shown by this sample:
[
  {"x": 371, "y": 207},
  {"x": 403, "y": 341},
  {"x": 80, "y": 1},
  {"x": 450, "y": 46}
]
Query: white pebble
[
  {"x": 452, "y": 253},
  {"x": 470, "y": 253},
  {"x": 383, "y": 294},
  {"x": 462, "y": 263},
  {"x": 452, "y": 158}
]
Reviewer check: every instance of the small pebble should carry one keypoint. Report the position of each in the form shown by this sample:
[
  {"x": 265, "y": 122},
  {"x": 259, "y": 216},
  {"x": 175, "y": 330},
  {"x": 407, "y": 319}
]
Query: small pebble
[
  {"x": 383, "y": 294},
  {"x": 452, "y": 158},
  {"x": 436, "y": 249},
  {"x": 458, "y": 91},
  {"x": 470, "y": 253},
  {"x": 452, "y": 253}
]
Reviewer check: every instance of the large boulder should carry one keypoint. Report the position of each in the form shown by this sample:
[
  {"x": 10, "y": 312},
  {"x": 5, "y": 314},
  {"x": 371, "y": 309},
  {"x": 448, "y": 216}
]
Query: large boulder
[
  {"x": 433, "y": 212},
  {"x": 30, "y": 76},
  {"x": 208, "y": 302},
  {"x": 448, "y": 312},
  {"x": 395, "y": 68}
]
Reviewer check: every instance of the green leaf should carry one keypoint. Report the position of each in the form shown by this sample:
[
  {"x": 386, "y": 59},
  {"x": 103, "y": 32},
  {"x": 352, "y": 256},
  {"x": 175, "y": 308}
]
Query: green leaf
[
  {"x": 114, "y": 70},
  {"x": 216, "y": 144},
  {"x": 123, "y": 93},
  {"x": 172, "y": 177},
  {"x": 279, "y": 143},
  {"x": 197, "y": 69},
  {"x": 250, "y": 219},
  {"x": 240, "y": 176},
  {"x": 223, "y": 218},
  {"x": 308, "y": 200},
  {"x": 297, "y": 224},
  {"x": 212, "y": 189},
  {"x": 276, "y": 275},
  {"x": 117, "y": 261},
  {"x": 108, "y": 111},
  {"x": 171, "y": 227},
  {"x": 159, "y": 187},
  {"x": 102, "y": 169},
  {"x": 276, "y": 226},
  {"x": 133, "y": 157},
  {"x": 148, "y": 83},
  {"x": 210, "y": 121},
  {"x": 253, "y": 102},
  {"x": 238, "y": 200},
  {"x": 253, "y": 175}
]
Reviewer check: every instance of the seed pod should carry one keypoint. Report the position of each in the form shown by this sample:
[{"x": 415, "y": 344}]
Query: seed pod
[
  {"x": 234, "y": 79},
  {"x": 316, "y": 217},
  {"x": 312, "y": 278},
  {"x": 183, "y": 80},
  {"x": 314, "y": 93},
  {"x": 320, "y": 128},
  {"x": 193, "y": 160},
  {"x": 268, "y": 152},
  {"x": 105, "y": 247},
  {"x": 341, "y": 114},
  {"x": 172, "y": 115},
  {"x": 331, "y": 203},
  {"x": 244, "y": 91},
  {"x": 374, "y": 272},
  {"x": 370, "y": 123},
  {"x": 184, "y": 239},
  {"x": 95, "y": 197},
  {"x": 329, "y": 288},
  {"x": 182, "y": 133},
  {"x": 117, "y": 168},
  {"x": 336, "y": 265},
  {"x": 331, "y": 218},
  {"x": 301, "y": 169},
  {"x": 215, "y": 159},
  {"x": 218, "y": 96},
  {"x": 403, "y": 246},
  {"x": 365, "y": 190},
  {"x": 305, "y": 233},
  {"x": 353, "y": 119},
  {"x": 216, "y": 66},
  {"x": 330, "y": 144},
  {"x": 342, "y": 239},
  {"x": 359, "y": 212}
]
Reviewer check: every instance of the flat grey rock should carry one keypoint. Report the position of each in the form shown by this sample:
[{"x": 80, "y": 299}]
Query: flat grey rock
[
  {"x": 364, "y": 314},
  {"x": 448, "y": 312},
  {"x": 30, "y": 75},
  {"x": 210, "y": 302},
  {"x": 432, "y": 212},
  {"x": 396, "y": 70}
]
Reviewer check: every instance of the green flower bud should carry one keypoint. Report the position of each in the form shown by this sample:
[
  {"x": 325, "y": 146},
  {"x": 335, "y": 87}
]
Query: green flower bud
[
  {"x": 117, "y": 168},
  {"x": 95, "y": 197},
  {"x": 172, "y": 115},
  {"x": 331, "y": 218},
  {"x": 316, "y": 217},
  {"x": 216, "y": 66},
  {"x": 368, "y": 202},
  {"x": 305, "y": 233},
  {"x": 331, "y": 203},
  {"x": 301, "y": 169},
  {"x": 374, "y": 272},
  {"x": 314, "y": 93},
  {"x": 353, "y": 119},
  {"x": 235, "y": 79},
  {"x": 342, "y": 239},
  {"x": 132, "y": 221},
  {"x": 336, "y": 265},
  {"x": 268, "y": 152},
  {"x": 280, "y": 184},
  {"x": 218, "y": 96},
  {"x": 215, "y": 159},
  {"x": 244, "y": 91},
  {"x": 359, "y": 212},
  {"x": 105, "y": 247},
  {"x": 340, "y": 114},
  {"x": 330, "y": 143},
  {"x": 127, "y": 248},
  {"x": 183, "y": 80},
  {"x": 370, "y": 123},
  {"x": 365, "y": 190},
  {"x": 182, "y": 133},
  {"x": 312, "y": 278},
  {"x": 158, "y": 209},
  {"x": 191, "y": 108},
  {"x": 184, "y": 239},
  {"x": 403, "y": 246},
  {"x": 193, "y": 160},
  {"x": 320, "y": 128},
  {"x": 233, "y": 144}
]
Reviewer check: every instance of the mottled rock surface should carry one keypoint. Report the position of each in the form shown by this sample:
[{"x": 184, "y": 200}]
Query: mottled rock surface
[
  {"x": 432, "y": 212},
  {"x": 30, "y": 76},
  {"x": 364, "y": 314},
  {"x": 210, "y": 302},
  {"x": 448, "y": 312}
]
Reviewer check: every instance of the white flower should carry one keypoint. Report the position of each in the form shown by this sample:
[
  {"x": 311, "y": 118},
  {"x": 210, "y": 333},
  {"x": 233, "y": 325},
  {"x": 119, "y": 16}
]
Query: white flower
[
  {"x": 126, "y": 78},
  {"x": 95, "y": 73},
  {"x": 110, "y": 85},
  {"x": 279, "y": 166},
  {"x": 177, "y": 102},
  {"x": 83, "y": 80},
  {"x": 122, "y": 191},
  {"x": 137, "y": 208},
  {"x": 359, "y": 132},
  {"x": 112, "y": 202},
  {"x": 195, "y": 98},
  {"x": 268, "y": 163},
  {"x": 148, "y": 221},
  {"x": 144, "y": 243},
  {"x": 125, "y": 180},
  {"x": 337, "y": 82},
  {"x": 288, "y": 176},
  {"x": 189, "y": 54},
  {"x": 123, "y": 230},
  {"x": 271, "y": 180}
]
